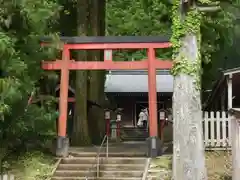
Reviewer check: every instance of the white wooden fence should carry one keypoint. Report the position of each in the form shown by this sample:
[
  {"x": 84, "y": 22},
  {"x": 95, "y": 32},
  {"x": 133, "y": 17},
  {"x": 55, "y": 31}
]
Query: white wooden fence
[
  {"x": 216, "y": 130},
  {"x": 7, "y": 177}
]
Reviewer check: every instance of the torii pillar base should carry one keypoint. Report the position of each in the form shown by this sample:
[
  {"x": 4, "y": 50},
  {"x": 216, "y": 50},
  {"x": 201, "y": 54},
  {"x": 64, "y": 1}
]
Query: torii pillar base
[
  {"x": 154, "y": 145},
  {"x": 62, "y": 146}
]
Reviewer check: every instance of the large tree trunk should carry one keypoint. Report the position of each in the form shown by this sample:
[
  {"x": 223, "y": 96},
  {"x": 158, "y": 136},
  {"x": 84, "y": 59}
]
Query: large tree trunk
[
  {"x": 80, "y": 134},
  {"x": 188, "y": 160},
  {"x": 97, "y": 77}
]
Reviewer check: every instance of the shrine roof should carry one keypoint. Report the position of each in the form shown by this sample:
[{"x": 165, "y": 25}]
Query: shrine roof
[
  {"x": 109, "y": 39},
  {"x": 136, "y": 81}
]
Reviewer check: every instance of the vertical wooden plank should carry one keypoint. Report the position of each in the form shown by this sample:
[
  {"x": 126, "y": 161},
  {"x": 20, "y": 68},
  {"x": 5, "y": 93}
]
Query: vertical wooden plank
[
  {"x": 229, "y": 91},
  {"x": 206, "y": 129},
  {"x": 223, "y": 100},
  {"x": 218, "y": 120},
  {"x": 235, "y": 149},
  {"x": 5, "y": 177},
  {"x": 227, "y": 129},
  {"x": 229, "y": 81},
  {"x": 212, "y": 121},
  {"x": 229, "y": 119},
  {"x": 11, "y": 177},
  {"x": 224, "y": 134},
  {"x": 107, "y": 55}
]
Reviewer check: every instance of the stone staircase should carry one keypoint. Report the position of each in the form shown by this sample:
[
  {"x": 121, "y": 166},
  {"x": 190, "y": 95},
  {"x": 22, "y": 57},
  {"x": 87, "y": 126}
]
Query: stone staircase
[
  {"x": 124, "y": 163},
  {"x": 133, "y": 134}
]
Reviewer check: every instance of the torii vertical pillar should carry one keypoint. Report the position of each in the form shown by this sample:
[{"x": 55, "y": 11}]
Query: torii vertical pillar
[
  {"x": 62, "y": 139},
  {"x": 154, "y": 143}
]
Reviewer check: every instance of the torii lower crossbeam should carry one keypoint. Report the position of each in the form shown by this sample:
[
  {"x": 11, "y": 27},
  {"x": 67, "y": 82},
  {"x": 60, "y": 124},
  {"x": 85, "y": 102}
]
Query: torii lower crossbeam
[{"x": 108, "y": 44}]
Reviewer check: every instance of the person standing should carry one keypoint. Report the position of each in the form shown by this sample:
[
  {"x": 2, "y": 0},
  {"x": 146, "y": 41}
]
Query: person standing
[{"x": 143, "y": 119}]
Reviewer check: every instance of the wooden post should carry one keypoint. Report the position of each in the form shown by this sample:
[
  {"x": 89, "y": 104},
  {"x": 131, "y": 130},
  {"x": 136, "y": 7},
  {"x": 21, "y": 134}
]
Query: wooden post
[
  {"x": 223, "y": 99},
  {"x": 62, "y": 140},
  {"x": 229, "y": 82},
  {"x": 235, "y": 121},
  {"x": 107, "y": 55},
  {"x": 233, "y": 126},
  {"x": 153, "y": 141},
  {"x": 107, "y": 119},
  {"x": 118, "y": 121},
  {"x": 162, "y": 120}
]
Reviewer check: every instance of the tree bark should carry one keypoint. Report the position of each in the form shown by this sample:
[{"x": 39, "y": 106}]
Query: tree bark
[
  {"x": 97, "y": 77},
  {"x": 188, "y": 155},
  {"x": 80, "y": 134}
]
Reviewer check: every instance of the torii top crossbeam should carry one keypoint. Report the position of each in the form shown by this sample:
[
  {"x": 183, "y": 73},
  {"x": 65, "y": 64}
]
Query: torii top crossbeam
[
  {"x": 109, "y": 43},
  {"x": 110, "y": 40}
]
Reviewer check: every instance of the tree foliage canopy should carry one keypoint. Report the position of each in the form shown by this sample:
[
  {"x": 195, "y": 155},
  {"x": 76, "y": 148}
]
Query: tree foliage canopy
[
  {"x": 154, "y": 17},
  {"x": 22, "y": 23}
]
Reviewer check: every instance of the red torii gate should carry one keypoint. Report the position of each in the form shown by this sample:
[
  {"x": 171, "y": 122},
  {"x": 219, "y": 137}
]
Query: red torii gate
[{"x": 108, "y": 44}]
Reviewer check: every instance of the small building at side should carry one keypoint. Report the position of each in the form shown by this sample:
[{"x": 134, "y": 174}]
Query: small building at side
[{"x": 224, "y": 94}]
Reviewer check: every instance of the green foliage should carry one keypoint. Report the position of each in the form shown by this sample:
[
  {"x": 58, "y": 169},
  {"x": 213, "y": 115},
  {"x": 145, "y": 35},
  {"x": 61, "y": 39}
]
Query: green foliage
[
  {"x": 219, "y": 42},
  {"x": 30, "y": 165},
  {"x": 135, "y": 18},
  {"x": 185, "y": 23},
  {"x": 155, "y": 17},
  {"x": 22, "y": 23},
  {"x": 182, "y": 25},
  {"x": 215, "y": 31}
]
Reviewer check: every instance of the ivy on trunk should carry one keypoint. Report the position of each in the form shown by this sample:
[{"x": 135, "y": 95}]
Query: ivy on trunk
[{"x": 188, "y": 148}]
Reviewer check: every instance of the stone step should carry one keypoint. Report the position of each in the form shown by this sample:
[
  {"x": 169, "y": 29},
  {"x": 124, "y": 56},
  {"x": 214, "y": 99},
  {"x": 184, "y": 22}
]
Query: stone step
[
  {"x": 103, "y": 160},
  {"x": 94, "y": 178},
  {"x": 74, "y": 173},
  {"x": 106, "y": 167},
  {"x": 133, "y": 138},
  {"x": 113, "y": 147},
  {"x": 136, "y": 134},
  {"x": 140, "y": 132},
  {"x": 122, "y": 173},
  {"x": 110, "y": 154},
  {"x": 122, "y": 167},
  {"x": 84, "y": 167},
  {"x": 115, "y": 173},
  {"x": 134, "y": 130},
  {"x": 133, "y": 135}
]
